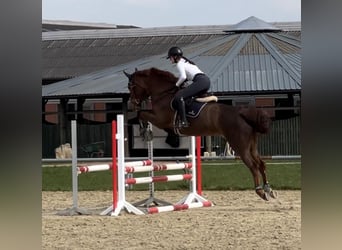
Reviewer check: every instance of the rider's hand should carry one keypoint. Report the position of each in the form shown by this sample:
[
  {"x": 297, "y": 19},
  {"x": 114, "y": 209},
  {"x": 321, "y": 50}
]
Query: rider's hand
[{"x": 183, "y": 85}]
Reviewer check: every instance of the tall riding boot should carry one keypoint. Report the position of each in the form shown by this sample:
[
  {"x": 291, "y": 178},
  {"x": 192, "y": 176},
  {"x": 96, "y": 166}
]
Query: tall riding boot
[{"x": 184, "y": 123}]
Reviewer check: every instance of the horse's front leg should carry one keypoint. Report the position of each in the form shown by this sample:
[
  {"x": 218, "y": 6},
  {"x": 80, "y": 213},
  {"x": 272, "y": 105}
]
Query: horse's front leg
[
  {"x": 172, "y": 139},
  {"x": 145, "y": 117},
  {"x": 144, "y": 131}
]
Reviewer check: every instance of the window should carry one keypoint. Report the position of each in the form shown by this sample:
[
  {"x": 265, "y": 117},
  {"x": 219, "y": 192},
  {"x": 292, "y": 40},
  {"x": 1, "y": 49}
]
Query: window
[{"x": 243, "y": 101}]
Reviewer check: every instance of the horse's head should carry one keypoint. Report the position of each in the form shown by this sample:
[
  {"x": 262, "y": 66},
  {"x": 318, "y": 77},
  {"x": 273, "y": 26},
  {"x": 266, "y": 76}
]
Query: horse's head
[
  {"x": 153, "y": 82},
  {"x": 137, "y": 87}
]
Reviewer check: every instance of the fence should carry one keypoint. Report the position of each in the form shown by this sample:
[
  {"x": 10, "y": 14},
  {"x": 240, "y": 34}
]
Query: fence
[{"x": 284, "y": 139}]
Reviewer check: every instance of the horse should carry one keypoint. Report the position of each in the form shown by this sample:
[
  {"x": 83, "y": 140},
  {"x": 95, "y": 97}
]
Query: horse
[{"x": 240, "y": 126}]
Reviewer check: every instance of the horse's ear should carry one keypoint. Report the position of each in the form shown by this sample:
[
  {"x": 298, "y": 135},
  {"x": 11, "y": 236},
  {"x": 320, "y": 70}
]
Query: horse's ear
[
  {"x": 136, "y": 69},
  {"x": 128, "y": 75}
]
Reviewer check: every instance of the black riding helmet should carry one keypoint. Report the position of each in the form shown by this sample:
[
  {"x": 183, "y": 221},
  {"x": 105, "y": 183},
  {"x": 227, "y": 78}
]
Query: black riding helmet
[{"x": 174, "y": 51}]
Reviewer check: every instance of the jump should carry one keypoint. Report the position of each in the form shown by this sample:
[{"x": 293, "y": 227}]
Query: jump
[{"x": 239, "y": 126}]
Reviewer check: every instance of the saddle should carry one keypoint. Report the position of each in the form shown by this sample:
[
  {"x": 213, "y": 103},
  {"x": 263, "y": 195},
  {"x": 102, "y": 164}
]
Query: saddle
[
  {"x": 194, "y": 105},
  {"x": 206, "y": 98}
]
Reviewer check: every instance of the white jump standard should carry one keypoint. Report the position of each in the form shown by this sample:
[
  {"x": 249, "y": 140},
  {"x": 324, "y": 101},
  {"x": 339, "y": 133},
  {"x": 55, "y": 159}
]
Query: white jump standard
[{"x": 192, "y": 200}]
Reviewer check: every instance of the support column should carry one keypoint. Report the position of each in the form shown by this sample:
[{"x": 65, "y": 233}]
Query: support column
[
  {"x": 62, "y": 120},
  {"x": 80, "y": 102},
  {"x": 125, "y": 112},
  {"x": 208, "y": 144}
]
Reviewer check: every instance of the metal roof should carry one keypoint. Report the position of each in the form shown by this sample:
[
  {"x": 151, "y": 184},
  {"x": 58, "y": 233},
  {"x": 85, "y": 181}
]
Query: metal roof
[
  {"x": 236, "y": 63},
  {"x": 59, "y": 25},
  {"x": 66, "y": 58},
  {"x": 253, "y": 24},
  {"x": 71, "y": 53}
]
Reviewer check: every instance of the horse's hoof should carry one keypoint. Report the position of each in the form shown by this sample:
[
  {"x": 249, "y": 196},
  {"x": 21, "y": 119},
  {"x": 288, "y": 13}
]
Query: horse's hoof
[
  {"x": 263, "y": 195},
  {"x": 270, "y": 191},
  {"x": 148, "y": 135},
  {"x": 267, "y": 188},
  {"x": 274, "y": 194}
]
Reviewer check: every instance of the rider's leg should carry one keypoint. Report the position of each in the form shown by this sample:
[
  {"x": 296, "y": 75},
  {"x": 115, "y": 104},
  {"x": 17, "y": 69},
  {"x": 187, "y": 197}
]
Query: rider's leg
[
  {"x": 180, "y": 106},
  {"x": 200, "y": 84},
  {"x": 181, "y": 110}
]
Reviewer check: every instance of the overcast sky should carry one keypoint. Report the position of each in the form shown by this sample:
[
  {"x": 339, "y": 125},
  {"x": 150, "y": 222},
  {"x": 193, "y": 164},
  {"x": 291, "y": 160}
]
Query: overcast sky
[{"x": 162, "y": 13}]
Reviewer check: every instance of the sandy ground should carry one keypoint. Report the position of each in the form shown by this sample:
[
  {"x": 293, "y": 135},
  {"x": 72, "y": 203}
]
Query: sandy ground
[{"x": 239, "y": 220}]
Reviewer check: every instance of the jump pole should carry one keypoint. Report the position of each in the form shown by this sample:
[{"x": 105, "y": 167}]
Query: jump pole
[{"x": 102, "y": 167}]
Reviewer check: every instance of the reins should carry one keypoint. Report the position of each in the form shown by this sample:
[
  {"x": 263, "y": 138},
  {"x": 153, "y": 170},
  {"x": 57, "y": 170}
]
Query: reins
[
  {"x": 164, "y": 93},
  {"x": 156, "y": 96},
  {"x": 150, "y": 91}
]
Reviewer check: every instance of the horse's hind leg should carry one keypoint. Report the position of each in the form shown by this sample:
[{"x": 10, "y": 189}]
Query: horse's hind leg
[
  {"x": 243, "y": 146},
  {"x": 267, "y": 187},
  {"x": 262, "y": 169},
  {"x": 252, "y": 164},
  {"x": 172, "y": 139}
]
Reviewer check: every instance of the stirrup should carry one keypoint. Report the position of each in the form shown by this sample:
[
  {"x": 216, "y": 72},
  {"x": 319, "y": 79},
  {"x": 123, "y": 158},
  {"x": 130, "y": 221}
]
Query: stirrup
[{"x": 184, "y": 124}]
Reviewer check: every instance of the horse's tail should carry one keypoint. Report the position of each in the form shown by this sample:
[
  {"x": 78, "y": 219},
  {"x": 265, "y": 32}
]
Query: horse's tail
[{"x": 257, "y": 119}]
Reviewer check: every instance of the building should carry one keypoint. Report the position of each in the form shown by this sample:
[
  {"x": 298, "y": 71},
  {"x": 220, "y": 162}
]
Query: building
[{"x": 252, "y": 62}]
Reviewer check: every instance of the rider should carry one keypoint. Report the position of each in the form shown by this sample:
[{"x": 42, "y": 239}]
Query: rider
[{"x": 188, "y": 71}]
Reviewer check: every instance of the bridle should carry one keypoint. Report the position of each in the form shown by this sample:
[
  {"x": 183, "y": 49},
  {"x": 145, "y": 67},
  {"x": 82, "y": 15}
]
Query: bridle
[{"x": 132, "y": 88}]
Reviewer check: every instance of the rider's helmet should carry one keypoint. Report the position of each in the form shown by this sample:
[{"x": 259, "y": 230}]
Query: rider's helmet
[{"x": 174, "y": 51}]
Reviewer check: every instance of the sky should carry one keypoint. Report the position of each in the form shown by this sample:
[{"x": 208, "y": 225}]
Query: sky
[{"x": 164, "y": 13}]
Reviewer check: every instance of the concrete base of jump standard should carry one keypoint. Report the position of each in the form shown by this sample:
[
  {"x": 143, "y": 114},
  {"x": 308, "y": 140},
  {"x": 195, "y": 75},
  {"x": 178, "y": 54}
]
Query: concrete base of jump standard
[
  {"x": 74, "y": 211},
  {"x": 151, "y": 201}
]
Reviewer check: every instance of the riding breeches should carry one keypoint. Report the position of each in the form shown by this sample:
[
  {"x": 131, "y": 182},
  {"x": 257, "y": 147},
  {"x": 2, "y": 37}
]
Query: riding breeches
[{"x": 200, "y": 85}]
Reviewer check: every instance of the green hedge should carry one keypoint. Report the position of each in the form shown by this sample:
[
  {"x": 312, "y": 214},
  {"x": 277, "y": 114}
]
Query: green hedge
[{"x": 216, "y": 175}]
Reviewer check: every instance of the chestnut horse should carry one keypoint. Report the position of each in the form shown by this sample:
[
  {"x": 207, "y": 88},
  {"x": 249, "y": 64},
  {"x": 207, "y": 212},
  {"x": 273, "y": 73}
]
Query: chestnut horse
[{"x": 239, "y": 126}]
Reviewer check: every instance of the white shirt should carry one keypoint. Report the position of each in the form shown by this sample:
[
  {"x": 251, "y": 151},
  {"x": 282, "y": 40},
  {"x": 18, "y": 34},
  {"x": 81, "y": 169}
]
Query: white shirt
[{"x": 187, "y": 71}]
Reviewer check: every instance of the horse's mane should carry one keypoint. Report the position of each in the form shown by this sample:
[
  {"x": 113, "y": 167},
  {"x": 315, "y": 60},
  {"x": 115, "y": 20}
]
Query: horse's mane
[
  {"x": 164, "y": 75},
  {"x": 158, "y": 80}
]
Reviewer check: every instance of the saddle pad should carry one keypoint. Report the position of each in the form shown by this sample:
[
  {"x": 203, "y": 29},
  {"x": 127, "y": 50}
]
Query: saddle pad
[{"x": 194, "y": 108}]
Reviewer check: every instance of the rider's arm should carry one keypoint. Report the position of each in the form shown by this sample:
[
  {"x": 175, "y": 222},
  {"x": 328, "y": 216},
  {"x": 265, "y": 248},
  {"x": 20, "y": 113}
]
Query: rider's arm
[{"x": 182, "y": 74}]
